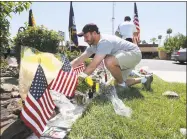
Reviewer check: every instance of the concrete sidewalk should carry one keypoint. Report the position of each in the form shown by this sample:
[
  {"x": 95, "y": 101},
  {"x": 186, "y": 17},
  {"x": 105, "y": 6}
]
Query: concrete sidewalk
[{"x": 171, "y": 76}]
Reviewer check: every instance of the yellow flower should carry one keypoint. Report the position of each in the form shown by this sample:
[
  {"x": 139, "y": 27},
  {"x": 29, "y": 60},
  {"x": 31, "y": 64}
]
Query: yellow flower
[
  {"x": 97, "y": 87},
  {"x": 89, "y": 81}
]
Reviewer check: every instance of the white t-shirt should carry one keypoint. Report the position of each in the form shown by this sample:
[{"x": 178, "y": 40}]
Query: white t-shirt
[
  {"x": 126, "y": 29},
  {"x": 110, "y": 44}
]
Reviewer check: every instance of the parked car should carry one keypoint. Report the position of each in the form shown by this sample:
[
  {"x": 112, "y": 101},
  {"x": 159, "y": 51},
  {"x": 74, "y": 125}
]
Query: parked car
[{"x": 179, "y": 55}]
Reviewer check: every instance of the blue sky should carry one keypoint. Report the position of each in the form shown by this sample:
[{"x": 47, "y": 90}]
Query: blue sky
[{"x": 154, "y": 17}]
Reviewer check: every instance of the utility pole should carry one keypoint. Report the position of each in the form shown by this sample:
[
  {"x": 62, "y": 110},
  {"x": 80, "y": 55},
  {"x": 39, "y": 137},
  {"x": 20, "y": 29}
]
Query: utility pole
[{"x": 113, "y": 18}]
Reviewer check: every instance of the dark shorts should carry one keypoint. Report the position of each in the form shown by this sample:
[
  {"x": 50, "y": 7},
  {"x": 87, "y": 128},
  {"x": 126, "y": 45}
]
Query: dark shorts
[{"x": 129, "y": 39}]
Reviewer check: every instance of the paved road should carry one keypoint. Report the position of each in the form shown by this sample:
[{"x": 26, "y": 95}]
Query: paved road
[{"x": 167, "y": 70}]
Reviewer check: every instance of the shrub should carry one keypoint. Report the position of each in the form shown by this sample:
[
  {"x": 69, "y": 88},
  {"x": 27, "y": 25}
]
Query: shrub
[
  {"x": 175, "y": 43},
  {"x": 72, "y": 55},
  {"x": 38, "y": 37},
  {"x": 161, "y": 48}
]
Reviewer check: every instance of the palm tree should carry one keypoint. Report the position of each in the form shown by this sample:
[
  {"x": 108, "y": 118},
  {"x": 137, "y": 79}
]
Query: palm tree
[
  {"x": 169, "y": 31},
  {"x": 153, "y": 40},
  {"x": 159, "y": 38}
]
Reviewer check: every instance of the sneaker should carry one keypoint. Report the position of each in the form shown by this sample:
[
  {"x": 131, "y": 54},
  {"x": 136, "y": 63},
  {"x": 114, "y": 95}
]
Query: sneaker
[
  {"x": 120, "y": 88},
  {"x": 147, "y": 84}
]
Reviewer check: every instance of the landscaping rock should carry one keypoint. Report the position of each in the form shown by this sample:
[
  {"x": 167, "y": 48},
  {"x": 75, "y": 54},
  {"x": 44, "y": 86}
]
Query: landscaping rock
[
  {"x": 9, "y": 71},
  {"x": 9, "y": 84},
  {"x": 5, "y": 103},
  {"x": 183, "y": 131},
  {"x": 5, "y": 96},
  {"x": 15, "y": 106},
  {"x": 6, "y": 87},
  {"x": 4, "y": 112},
  {"x": 171, "y": 94},
  {"x": 11, "y": 116},
  {"x": 15, "y": 94},
  {"x": 11, "y": 104},
  {"x": 15, "y": 88}
]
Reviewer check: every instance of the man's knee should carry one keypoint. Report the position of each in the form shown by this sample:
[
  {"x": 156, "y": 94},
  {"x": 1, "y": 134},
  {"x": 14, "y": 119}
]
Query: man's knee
[{"x": 110, "y": 60}]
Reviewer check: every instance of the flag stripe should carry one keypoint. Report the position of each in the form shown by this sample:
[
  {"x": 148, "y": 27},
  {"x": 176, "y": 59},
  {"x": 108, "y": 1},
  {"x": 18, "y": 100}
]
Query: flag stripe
[
  {"x": 34, "y": 115},
  {"x": 79, "y": 68},
  {"x": 55, "y": 80},
  {"x": 30, "y": 123},
  {"x": 52, "y": 105},
  {"x": 73, "y": 88},
  {"x": 60, "y": 80},
  {"x": 49, "y": 102},
  {"x": 46, "y": 104},
  {"x": 72, "y": 82},
  {"x": 43, "y": 106},
  {"x": 37, "y": 109},
  {"x": 66, "y": 83},
  {"x": 33, "y": 102},
  {"x": 63, "y": 78}
]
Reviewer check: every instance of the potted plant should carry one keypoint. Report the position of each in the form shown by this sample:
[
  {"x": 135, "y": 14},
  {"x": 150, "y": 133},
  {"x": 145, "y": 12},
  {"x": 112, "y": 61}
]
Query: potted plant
[{"x": 162, "y": 53}]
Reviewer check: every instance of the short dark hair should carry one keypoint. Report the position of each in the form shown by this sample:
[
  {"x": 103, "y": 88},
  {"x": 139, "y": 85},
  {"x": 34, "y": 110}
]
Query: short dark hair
[
  {"x": 89, "y": 28},
  {"x": 127, "y": 18}
]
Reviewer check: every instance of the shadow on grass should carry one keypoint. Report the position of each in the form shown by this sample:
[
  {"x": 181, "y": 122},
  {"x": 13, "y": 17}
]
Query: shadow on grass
[{"x": 129, "y": 94}]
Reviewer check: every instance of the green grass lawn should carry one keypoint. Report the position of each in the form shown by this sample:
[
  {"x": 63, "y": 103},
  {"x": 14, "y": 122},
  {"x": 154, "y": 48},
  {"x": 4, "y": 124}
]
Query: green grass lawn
[{"x": 154, "y": 116}]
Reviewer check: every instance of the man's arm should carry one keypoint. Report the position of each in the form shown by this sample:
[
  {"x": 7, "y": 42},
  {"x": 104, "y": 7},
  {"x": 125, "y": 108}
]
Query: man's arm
[
  {"x": 135, "y": 32},
  {"x": 93, "y": 65},
  {"x": 77, "y": 61}
]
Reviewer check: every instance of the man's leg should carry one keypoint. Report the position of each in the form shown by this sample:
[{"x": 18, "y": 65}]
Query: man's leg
[
  {"x": 112, "y": 65},
  {"x": 132, "y": 81},
  {"x": 146, "y": 81}
]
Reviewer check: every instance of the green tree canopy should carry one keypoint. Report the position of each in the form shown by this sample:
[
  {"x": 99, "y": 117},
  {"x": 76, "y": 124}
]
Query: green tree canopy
[
  {"x": 7, "y": 8},
  {"x": 175, "y": 43}
]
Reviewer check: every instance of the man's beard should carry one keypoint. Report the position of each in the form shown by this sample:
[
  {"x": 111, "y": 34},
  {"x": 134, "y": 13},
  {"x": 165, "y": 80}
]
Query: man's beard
[{"x": 91, "y": 42}]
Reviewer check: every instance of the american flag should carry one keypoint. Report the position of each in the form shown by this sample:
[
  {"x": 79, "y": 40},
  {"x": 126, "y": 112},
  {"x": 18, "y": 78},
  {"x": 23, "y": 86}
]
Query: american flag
[
  {"x": 66, "y": 80},
  {"x": 79, "y": 68},
  {"x": 38, "y": 106},
  {"x": 136, "y": 22}
]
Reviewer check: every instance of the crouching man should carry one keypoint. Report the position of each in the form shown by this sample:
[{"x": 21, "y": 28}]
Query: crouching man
[{"x": 120, "y": 56}]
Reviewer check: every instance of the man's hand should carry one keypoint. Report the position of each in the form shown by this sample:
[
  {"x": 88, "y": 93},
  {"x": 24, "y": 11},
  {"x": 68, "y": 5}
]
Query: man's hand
[
  {"x": 85, "y": 79},
  {"x": 83, "y": 75}
]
